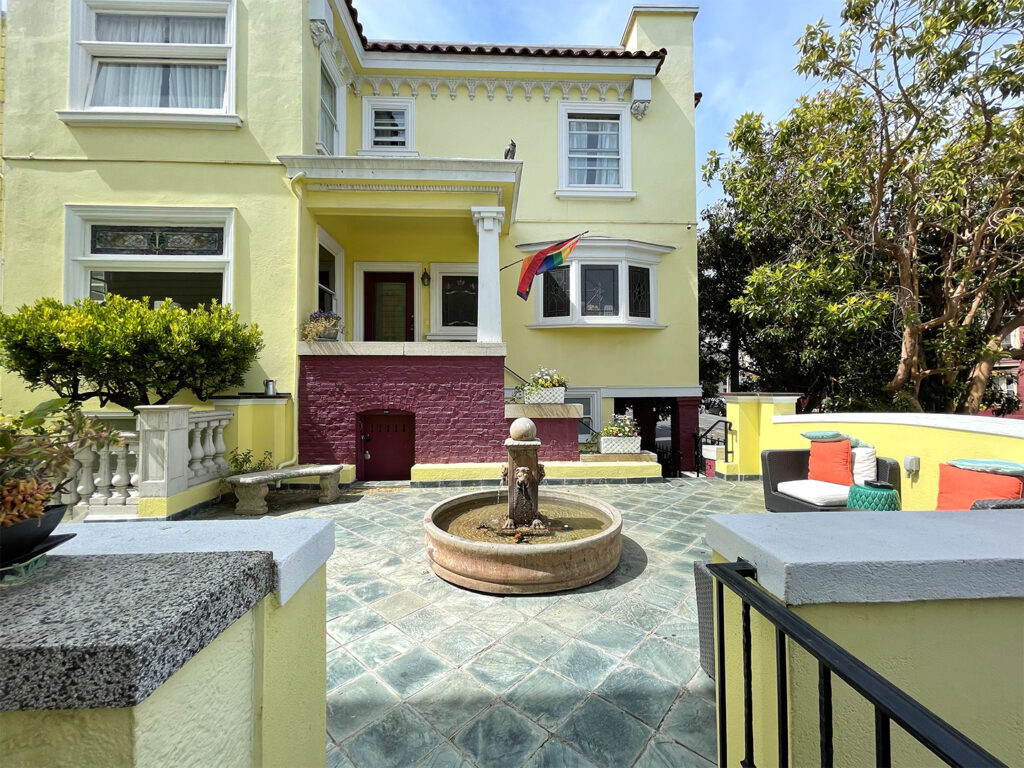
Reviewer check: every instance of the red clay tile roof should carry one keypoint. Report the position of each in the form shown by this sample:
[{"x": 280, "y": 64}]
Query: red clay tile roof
[{"x": 499, "y": 50}]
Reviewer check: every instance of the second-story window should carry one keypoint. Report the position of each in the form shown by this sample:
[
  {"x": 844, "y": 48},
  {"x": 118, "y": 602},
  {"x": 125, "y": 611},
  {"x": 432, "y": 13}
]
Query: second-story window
[
  {"x": 328, "y": 113},
  {"x": 136, "y": 61},
  {"x": 594, "y": 150},
  {"x": 388, "y": 126}
]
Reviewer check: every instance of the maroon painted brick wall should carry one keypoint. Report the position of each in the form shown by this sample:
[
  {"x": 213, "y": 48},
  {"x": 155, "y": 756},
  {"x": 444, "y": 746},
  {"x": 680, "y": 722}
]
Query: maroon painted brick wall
[
  {"x": 458, "y": 402},
  {"x": 559, "y": 439}
]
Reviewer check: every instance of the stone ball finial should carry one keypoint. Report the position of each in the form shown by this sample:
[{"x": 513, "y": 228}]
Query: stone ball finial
[{"x": 523, "y": 429}]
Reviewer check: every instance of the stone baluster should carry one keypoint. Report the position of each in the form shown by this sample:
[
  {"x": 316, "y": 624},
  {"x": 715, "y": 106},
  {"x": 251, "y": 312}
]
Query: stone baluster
[
  {"x": 101, "y": 495},
  {"x": 219, "y": 448},
  {"x": 86, "y": 475},
  {"x": 119, "y": 480},
  {"x": 131, "y": 439},
  {"x": 195, "y": 464},
  {"x": 70, "y": 495},
  {"x": 209, "y": 466}
]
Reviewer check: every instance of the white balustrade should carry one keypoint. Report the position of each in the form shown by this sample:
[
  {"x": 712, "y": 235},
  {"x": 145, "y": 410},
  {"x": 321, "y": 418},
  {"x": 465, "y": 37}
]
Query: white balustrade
[
  {"x": 105, "y": 478},
  {"x": 206, "y": 445}
]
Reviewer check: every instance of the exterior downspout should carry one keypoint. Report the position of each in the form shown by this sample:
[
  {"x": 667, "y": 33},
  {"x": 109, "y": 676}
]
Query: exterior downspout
[{"x": 295, "y": 380}]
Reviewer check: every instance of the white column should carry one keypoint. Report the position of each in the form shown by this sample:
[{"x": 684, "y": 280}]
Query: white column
[
  {"x": 163, "y": 449},
  {"x": 488, "y": 221}
]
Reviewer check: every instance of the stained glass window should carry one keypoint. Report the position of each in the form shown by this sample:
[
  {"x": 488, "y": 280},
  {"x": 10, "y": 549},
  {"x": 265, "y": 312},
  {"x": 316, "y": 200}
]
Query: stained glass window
[
  {"x": 458, "y": 301},
  {"x": 600, "y": 290},
  {"x": 639, "y": 292},
  {"x": 182, "y": 241},
  {"x": 556, "y": 292}
]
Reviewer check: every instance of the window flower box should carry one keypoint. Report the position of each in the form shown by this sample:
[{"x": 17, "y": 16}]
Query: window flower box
[{"x": 620, "y": 444}]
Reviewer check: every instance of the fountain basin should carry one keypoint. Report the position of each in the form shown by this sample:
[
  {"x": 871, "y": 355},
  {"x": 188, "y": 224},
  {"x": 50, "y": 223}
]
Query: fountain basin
[{"x": 501, "y": 568}]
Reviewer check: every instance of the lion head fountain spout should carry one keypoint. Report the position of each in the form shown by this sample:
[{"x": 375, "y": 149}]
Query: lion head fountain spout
[{"x": 523, "y": 474}]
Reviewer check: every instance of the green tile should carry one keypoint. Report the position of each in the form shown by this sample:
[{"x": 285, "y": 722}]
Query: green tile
[
  {"x": 639, "y": 693},
  {"x": 536, "y": 640},
  {"x": 452, "y": 701},
  {"x": 354, "y": 625},
  {"x": 680, "y": 631},
  {"x": 604, "y": 734},
  {"x": 546, "y": 698},
  {"x": 362, "y": 701},
  {"x": 498, "y": 619},
  {"x": 399, "y": 740},
  {"x": 499, "y": 668},
  {"x": 567, "y": 616},
  {"x": 692, "y": 723},
  {"x": 341, "y": 668},
  {"x": 373, "y": 591},
  {"x": 379, "y": 646},
  {"x": 340, "y": 603},
  {"x": 459, "y": 643},
  {"x": 612, "y": 636},
  {"x": 412, "y": 672},
  {"x": 500, "y": 738},
  {"x": 584, "y": 665},
  {"x": 557, "y": 754},
  {"x": 444, "y": 756},
  {"x": 638, "y": 614},
  {"x": 666, "y": 660},
  {"x": 664, "y": 753},
  {"x": 399, "y": 604}
]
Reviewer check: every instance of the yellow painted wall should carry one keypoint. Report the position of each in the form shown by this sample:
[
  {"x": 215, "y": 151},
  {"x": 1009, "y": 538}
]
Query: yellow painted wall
[
  {"x": 260, "y": 426},
  {"x": 253, "y": 698},
  {"x": 960, "y": 658}
]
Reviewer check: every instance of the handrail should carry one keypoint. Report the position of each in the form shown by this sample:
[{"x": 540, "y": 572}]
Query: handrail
[
  {"x": 525, "y": 381},
  {"x": 890, "y": 702},
  {"x": 701, "y": 438}
]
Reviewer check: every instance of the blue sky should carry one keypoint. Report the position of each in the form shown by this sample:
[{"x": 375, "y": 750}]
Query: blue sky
[{"x": 743, "y": 58}]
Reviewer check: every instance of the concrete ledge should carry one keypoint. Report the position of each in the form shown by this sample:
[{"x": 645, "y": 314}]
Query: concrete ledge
[
  {"x": 555, "y": 470},
  {"x": 544, "y": 411},
  {"x": 604, "y": 458},
  {"x": 402, "y": 349},
  {"x": 547, "y": 482},
  {"x": 736, "y": 478},
  {"x": 299, "y": 546},
  {"x": 878, "y": 557},
  {"x": 985, "y": 425}
]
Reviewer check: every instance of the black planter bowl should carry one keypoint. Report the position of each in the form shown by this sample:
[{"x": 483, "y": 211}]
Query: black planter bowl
[{"x": 21, "y": 538}]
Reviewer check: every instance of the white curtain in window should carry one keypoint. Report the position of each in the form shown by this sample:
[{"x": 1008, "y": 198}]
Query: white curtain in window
[
  {"x": 194, "y": 86},
  {"x": 594, "y": 152},
  {"x": 127, "y": 85},
  {"x": 194, "y": 30}
]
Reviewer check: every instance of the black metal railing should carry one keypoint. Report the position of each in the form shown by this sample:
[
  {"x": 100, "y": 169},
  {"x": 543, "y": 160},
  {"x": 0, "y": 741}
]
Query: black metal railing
[
  {"x": 671, "y": 462},
  {"x": 891, "y": 704},
  {"x": 700, "y": 439}
]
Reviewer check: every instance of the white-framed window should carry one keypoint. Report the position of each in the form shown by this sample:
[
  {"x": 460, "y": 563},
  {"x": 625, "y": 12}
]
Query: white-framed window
[
  {"x": 590, "y": 399},
  {"x": 611, "y": 283},
  {"x": 153, "y": 62},
  {"x": 594, "y": 150},
  {"x": 182, "y": 254},
  {"x": 389, "y": 126},
  {"x": 331, "y": 135},
  {"x": 330, "y": 274},
  {"x": 453, "y": 302}
]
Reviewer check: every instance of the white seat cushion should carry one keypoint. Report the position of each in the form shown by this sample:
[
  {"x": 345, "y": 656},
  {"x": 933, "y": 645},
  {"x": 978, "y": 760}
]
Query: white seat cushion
[{"x": 816, "y": 492}]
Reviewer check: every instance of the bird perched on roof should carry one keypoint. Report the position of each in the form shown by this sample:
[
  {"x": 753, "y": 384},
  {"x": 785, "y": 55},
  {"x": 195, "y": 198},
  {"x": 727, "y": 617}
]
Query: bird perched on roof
[{"x": 510, "y": 153}]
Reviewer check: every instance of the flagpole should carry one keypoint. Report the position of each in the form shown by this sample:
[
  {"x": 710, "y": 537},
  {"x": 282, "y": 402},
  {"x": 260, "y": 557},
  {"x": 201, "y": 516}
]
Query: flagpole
[{"x": 519, "y": 261}]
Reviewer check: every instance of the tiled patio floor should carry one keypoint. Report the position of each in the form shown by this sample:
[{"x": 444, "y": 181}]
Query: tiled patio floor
[{"x": 422, "y": 673}]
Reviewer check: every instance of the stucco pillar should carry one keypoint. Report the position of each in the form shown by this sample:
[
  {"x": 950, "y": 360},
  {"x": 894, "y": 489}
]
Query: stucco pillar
[
  {"x": 488, "y": 221},
  {"x": 163, "y": 449},
  {"x": 685, "y": 423}
]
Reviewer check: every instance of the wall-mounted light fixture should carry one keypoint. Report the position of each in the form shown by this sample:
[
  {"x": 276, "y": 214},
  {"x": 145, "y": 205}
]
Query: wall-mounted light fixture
[{"x": 425, "y": 277}]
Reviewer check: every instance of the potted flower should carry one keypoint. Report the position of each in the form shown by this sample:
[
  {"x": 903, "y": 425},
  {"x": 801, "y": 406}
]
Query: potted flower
[
  {"x": 36, "y": 453},
  {"x": 546, "y": 386},
  {"x": 620, "y": 435},
  {"x": 323, "y": 325}
]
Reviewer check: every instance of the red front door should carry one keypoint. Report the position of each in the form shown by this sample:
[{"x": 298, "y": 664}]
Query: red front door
[
  {"x": 387, "y": 446},
  {"x": 388, "y": 306}
]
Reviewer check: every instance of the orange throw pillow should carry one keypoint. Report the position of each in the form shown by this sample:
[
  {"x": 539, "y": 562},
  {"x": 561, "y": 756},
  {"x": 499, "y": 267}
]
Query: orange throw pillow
[
  {"x": 831, "y": 462},
  {"x": 959, "y": 488}
]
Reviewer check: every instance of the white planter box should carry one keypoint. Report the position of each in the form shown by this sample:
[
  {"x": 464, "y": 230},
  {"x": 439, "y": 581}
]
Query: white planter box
[
  {"x": 543, "y": 396},
  {"x": 620, "y": 444}
]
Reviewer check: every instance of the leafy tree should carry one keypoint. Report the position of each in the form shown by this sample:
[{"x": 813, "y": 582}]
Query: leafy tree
[
  {"x": 909, "y": 170},
  {"x": 121, "y": 351}
]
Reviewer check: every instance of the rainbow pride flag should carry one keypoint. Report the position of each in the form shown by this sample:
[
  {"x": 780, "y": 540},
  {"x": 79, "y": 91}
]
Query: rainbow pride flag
[{"x": 544, "y": 261}]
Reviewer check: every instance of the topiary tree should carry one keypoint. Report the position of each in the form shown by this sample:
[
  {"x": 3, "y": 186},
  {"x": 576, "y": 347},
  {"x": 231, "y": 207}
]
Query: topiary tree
[{"x": 121, "y": 351}]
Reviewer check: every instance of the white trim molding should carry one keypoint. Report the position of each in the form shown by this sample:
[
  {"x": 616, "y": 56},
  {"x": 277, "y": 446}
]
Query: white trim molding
[
  {"x": 984, "y": 425},
  {"x": 470, "y": 86},
  {"x": 395, "y": 103},
  {"x": 334, "y": 248},
  {"x": 621, "y": 191},
  {"x": 79, "y": 261},
  {"x": 438, "y": 332},
  {"x": 86, "y": 51},
  {"x": 651, "y": 391},
  {"x": 359, "y": 270}
]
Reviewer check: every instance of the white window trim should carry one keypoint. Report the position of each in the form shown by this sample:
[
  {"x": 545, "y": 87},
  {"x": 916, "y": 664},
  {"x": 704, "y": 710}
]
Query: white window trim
[
  {"x": 78, "y": 261},
  {"x": 359, "y": 270},
  {"x": 84, "y": 50},
  {"x": 593, "y": 394},
  {"x": 437, "y": 331},
  {"x": 330, "y": 65},
  {"x": 624, "y": 259},
  {"x": 334, "y": 247},
  {"x": 624, "y": 191},
  {"x": 371, "y": 103}
]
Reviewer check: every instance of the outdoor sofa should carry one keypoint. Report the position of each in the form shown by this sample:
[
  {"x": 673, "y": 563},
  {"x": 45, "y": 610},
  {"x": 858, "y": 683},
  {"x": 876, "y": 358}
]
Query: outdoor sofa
[{"x": 791, "y": 465}]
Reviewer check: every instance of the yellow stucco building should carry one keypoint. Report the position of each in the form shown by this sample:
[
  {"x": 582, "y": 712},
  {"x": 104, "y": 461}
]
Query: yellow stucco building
[{"x": 264, "y": 153}]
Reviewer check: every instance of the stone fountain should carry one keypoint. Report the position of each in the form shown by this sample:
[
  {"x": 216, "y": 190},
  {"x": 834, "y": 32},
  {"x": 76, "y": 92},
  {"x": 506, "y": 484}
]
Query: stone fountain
[{"x": 523, "y": 540}]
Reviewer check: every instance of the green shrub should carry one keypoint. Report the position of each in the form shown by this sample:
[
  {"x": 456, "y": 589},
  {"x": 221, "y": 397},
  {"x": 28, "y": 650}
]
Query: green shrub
[
  {"x": 121, "y": 351},
  {"x": 242, "y": 462}
]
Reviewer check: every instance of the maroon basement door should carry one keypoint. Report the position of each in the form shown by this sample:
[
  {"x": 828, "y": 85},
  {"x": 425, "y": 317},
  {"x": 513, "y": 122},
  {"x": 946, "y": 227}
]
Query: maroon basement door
[{"x": 390, "y": 441}]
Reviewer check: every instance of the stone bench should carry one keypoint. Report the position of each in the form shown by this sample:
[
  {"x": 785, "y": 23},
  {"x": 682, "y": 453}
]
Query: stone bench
[{"x": 252, "y": 487}]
